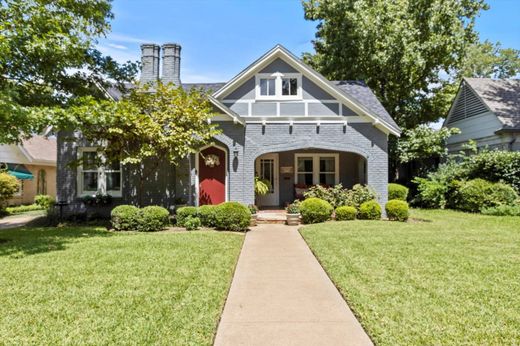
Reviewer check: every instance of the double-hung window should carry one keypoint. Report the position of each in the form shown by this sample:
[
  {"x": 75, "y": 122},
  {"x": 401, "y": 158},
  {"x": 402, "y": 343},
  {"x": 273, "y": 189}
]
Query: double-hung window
[
  {"x": 316, "y": 169},
  {"x": 96, "y": 176},
  {"x": 279, "y": 86},
  {"x": 267, "y": 87}
]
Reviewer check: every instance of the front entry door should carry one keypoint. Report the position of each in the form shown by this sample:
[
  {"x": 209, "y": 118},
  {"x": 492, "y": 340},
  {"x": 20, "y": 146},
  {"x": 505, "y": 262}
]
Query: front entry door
[
  {"x": 267, "y": 168},
  {"x": 212, "y": 176}
]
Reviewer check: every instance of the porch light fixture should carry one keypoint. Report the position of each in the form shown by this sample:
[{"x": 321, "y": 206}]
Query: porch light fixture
[{"x": 235, "y": 153}]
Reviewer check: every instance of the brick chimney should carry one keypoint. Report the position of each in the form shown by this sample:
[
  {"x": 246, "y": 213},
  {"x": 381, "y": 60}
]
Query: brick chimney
[
  {"x": 171, "y": 63},
  {"x": 150, "y": 54}
]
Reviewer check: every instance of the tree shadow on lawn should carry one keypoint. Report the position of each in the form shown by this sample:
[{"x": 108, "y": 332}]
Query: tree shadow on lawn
[{"x": 21, "y": 242}]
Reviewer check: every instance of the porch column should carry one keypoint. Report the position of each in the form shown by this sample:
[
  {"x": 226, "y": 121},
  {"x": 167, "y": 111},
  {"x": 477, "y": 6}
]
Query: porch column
[
  {"x": 377, "y": 178},
  {"x": 248, "y": 187}
]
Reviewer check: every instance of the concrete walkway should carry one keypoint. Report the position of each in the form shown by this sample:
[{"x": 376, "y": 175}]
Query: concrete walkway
[
  {"x": 20, "y": 220},
  {"x": 280, "y": 295}
]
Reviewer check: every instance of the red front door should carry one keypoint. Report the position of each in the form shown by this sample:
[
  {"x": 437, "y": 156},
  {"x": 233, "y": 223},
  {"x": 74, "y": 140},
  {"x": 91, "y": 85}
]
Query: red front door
[{"x": 212, "y": 176}]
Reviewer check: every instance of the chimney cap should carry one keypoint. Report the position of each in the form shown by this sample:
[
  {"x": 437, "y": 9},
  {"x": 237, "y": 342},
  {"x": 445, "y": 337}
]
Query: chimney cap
[{"x": 171, "y": 44}]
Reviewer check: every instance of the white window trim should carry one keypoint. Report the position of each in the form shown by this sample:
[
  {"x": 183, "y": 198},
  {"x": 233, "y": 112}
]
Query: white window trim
[
  {"x": 101, "y": 177},
  {"x": 278, "y": 86},
  {"x": 316, "y": 166}
]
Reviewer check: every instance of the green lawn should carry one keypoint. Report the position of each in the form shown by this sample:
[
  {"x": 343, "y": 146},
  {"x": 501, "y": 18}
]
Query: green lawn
[
  {"x": 453, "y": 278},
  {"x": 90, "y": 286}
]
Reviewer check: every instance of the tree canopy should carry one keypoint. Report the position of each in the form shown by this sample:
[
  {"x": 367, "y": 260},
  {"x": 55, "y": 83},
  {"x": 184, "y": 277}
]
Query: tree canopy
[
  {"x": 403, "y": 49},
  {"x": 424, "y": 142},
  {"x": 47, "y": 57}
]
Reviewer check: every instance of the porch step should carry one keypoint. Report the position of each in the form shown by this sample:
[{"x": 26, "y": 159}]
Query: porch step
[{"x": 268, "y": 216}]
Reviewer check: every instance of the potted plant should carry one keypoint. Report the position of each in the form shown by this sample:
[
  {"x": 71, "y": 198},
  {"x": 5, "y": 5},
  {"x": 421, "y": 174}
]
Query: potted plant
[
  {"x": 254, "y": 213},
  {"x": 293, "y": 213}
]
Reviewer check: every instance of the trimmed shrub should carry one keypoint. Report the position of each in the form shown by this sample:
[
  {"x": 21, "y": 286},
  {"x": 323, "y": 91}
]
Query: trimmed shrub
[
  {"x": 44, "y": 201},
  {"x": 370, "y": 210},
  {"x": 397, "y": 191},
  {"x": 315, "y": 210},
  {"x": 206, "y": 215},
  {"x": 153, "y": 218},
  {"x": 183, "y": 213},
  {"x": 232, "y": 216},
  {"x": 8, "y": 187},
  {"x": 502, "y": 210},
  {"x": 345, "y": 213},
  {"x": 397, "y": 210},
  {"x": 192, "y": 223},
  {"x": 338, "y": 196},
  {"x": 124, "y": 218}
]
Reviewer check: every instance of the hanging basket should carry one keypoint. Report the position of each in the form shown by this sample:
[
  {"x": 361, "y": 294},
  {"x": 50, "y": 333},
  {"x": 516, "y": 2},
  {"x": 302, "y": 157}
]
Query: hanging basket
[{"x": 212, "y": 160}]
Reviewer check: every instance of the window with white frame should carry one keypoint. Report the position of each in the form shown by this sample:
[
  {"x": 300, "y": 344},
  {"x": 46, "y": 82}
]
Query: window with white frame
[
  {"x": 267, "y": 86},
  {"x": 278, "y": 86},
  {"x": 19, "y": 191},
  {"x": 317, "y": 169},
  {"x": 96, "y": 177}
]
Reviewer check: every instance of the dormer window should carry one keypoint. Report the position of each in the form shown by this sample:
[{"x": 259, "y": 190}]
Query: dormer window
[
  {"x": 267, "y": 86},
  {"x": 279, "y": 86},
  {"x": 289, "y": 86}
]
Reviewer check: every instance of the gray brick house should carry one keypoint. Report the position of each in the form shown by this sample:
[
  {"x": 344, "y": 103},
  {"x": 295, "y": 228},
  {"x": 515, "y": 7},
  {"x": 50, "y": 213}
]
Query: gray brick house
[{"x": 280, "y": 120}]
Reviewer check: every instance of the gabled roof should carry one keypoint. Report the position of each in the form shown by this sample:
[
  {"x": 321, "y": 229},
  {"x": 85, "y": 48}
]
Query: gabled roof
[
  {"x": 502, "y": 96},
  {"x": 364, "y": 103},
  {"x": 39, "y": 149}
]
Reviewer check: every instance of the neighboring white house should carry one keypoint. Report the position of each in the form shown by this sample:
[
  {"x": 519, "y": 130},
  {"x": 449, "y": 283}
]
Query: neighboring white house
[
  {"x": 33, "y": 162},
  {"x": 487, "y": 111}
]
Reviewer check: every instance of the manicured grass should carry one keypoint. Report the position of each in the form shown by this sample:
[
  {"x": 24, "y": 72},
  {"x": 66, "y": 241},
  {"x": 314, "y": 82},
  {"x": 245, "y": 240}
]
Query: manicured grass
[
  {"x": 90, "y": 286},
  {"x": 452, "y": 279}
]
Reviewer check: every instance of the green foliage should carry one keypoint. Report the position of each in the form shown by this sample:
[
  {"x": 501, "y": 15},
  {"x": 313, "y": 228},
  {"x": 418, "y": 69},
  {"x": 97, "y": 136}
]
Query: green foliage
[
  {"x": 183, "y": 213},
  {"x": 169, "y": 123},
  {"x": 207, "y": 215},
  {"x": 423, "y": 142},
  {"x": 397, "y": 47},
  {"x": 125, "y": 218},
  {"x": 232, "y": 216},
  {"x": 293, "y": 208},
  {"x": 253, "y": 208},
  {"x": 153, "y": 218},
  {"x": 262, "y": 186},
  {"x": 502, "y": 210},
  {"x": 474, "y": 195},
  {"x": 23, "y": 209},
  {"x": 345, "y": 213},
  {"x": 42, "y": 42},
  {"x": 8, "y": 187},
  {"x": 370, "y": 210},
  {"x": 490, "y": 60},
  {"x": 495, "y": 165},
  {"x": 397, "y": 191},
  {"x": 192, "y": 223},
  {"x": 44, "y": 201},
  {"x": 315, "y": 210},
  {"x": 397, "y": 210},
  {"x": 338, "y": 196}
]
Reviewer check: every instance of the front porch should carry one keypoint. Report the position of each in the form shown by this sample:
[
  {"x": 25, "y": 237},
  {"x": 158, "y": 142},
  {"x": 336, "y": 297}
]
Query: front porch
[{"x": 291, "y": 173}]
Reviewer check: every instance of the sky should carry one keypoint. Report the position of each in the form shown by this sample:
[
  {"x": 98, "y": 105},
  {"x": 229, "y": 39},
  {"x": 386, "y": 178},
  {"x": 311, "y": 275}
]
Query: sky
[{"x": 219, "y": 38}]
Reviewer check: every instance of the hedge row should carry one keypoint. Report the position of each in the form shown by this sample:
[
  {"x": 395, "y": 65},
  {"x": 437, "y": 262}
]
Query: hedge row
[
  {"x": 148, "y": 219},
  {"x": 231, "y": 216},
  {"x": 315, "y": 210}
]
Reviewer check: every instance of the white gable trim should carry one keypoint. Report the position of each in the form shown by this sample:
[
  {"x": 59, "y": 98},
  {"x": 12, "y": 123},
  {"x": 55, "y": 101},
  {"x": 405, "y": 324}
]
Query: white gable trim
[
  {"x": 280, "y": 52},
  {"x": 227, "y": 112}
]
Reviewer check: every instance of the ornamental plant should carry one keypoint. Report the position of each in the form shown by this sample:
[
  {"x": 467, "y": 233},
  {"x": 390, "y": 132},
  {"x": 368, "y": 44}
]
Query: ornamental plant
[
  {"x": 315, "y": 210},
  {"x": 8, "y": 187}
]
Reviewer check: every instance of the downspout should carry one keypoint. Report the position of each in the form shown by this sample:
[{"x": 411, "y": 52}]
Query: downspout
[{"x": 512, "y": 142}]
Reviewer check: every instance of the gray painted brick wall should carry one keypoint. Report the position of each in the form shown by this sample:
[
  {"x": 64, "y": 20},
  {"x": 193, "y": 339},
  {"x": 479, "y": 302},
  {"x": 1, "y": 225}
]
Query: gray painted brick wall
[{"x": 243, "y": 145}]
